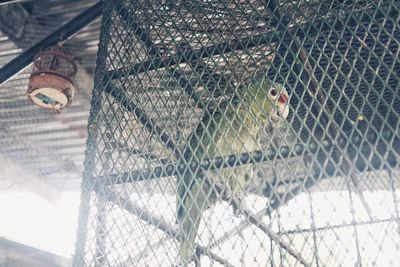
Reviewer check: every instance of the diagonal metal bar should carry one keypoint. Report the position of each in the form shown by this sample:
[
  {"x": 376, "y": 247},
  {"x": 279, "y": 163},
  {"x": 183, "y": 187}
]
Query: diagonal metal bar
[
  {"x": 250, "y": 42},
  {"x": 274, "y": 236},
  {"x": 205, "y": 52},
  {"x": 245, "y": 223},
  {"x": 142, "y": 116},
  {"x": 214, "y": 82},
  {"x": 63, "y": 33},
  {"x": 155, "y": 52},
  {"x": 158, "y": 223},
  {"x": 256, "y": 220},
  {"x": 120, "y": 96},
  {"x": 139, "y": 32}
]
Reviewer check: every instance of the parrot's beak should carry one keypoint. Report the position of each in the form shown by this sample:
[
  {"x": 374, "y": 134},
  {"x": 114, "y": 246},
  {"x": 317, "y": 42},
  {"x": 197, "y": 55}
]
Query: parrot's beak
[
  {"x": 284, "y": 110},
  {"x": 283, "y": 105},
  {"x": 283, "y": 98}
]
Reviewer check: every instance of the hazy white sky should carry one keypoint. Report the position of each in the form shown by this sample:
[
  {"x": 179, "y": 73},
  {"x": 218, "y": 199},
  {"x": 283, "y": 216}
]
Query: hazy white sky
[{"x": 29, "y": 219}]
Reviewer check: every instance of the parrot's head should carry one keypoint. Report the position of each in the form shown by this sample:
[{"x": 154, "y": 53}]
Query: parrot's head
[
  {"x": 280, "y": 102},
  {"x": 272, "y": 100}
]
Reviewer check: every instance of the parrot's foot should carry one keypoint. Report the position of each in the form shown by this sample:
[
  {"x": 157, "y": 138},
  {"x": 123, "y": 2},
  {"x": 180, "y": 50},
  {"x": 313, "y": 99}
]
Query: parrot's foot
[
  {"x": 237, "y": 206},
  {"x": 235, "y": 202}
]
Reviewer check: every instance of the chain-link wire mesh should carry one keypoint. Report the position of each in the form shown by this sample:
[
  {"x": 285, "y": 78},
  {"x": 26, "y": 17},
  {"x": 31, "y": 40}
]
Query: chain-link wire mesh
[{"x": 244, "y": 133}]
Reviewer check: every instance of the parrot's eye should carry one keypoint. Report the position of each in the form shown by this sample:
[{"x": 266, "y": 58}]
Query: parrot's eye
[{"x": 273, "y": 93}]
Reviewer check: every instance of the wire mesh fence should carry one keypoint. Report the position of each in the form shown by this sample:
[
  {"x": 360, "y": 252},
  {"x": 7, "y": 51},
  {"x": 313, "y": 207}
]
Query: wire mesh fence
[{"x": 244, "y": 133}]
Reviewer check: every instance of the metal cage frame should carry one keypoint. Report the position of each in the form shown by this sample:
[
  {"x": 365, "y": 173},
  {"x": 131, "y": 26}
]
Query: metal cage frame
[{"x": 330, "y": 144}]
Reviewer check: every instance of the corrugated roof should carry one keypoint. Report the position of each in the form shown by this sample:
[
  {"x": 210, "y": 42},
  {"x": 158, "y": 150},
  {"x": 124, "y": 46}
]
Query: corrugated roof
[{"x": 48, "y": 145}]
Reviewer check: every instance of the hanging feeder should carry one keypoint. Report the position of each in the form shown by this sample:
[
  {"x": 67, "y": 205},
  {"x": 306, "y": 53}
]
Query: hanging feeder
[{"x": 51, "y": 84}]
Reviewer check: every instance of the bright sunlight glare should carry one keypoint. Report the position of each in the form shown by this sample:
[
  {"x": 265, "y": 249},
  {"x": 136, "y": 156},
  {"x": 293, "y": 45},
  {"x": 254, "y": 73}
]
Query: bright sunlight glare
[{"x": 29, "y": 219}]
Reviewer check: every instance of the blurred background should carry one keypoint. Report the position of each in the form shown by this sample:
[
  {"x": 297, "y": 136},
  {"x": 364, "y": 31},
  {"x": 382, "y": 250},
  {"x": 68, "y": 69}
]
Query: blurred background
[{"x": 42, "y": 150}]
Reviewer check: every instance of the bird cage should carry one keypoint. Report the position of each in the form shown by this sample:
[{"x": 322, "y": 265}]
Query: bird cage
[
  {"x": 51, "y": 84},
  {"x": 244, "y": 133}
]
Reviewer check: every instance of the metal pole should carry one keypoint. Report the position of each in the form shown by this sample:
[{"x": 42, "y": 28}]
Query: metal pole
[
  {"x": 321, "y": 169},
  {"x": 8, "y": 2},
  {"x": 63, "y": 33},
  {"x": 86, "y": 195}
]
